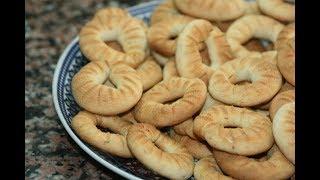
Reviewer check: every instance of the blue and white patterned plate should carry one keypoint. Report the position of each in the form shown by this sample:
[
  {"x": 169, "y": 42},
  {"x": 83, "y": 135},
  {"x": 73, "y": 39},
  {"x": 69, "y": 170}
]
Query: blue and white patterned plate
[{"x": 69, "y": 63}]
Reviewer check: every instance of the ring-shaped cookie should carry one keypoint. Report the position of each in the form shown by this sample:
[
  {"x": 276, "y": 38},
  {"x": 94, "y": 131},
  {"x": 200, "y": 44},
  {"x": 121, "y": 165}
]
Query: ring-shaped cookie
[
  {"x": 207, "y": 169},
  {"x": 279, "y": 100},
  {"x": 189, "y": 94},
  {"x": 150, "y": 73},
  {"x": 128, "y": 31},
  {"x": 278, "y": 9},
  {"x": 274, "y": 165},
  {"x": 165, "y": 11},
  {"x": 188, "y": 59},
  {"x": 90, "y": 92},
  {"x": 196, "y": 148},
  {"x": 265, "y": 79},
  {"x": 159, "y": 152},
  {"x": 162, "y": 36},
  {"x": 253, "y": 26},
  {"x": 215, "y": 10},
  {"x": 234, "y": 130},
  {"x": 86, "y": 124},
  {"x": 110, "y": 12},
  {"x": 284, "y": 130},
  {"x": 285, "y": 46}
]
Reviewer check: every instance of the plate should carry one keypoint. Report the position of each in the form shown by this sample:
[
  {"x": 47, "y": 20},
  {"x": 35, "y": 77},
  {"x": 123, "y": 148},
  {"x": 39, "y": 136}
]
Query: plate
[{"x": 70, "y": 63}]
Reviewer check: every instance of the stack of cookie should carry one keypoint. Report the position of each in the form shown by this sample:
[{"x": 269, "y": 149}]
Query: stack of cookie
[{"x": 200, "y": 69}]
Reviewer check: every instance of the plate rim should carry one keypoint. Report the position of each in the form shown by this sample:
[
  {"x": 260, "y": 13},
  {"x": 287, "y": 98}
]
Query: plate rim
[{"x": 79, "y": 142}]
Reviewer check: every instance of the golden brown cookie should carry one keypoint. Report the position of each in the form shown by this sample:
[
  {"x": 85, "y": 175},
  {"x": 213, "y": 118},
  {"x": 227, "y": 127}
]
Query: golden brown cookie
[
  {"x": 188, "y": 59},
  {"x": 253, "y": 26},
  {"x": 126, "y": 30},
  {"x": 234, "y": 130},
  {"x": 86, "y": 124},
  {"x": 188, "y": 96},
  {"x": 271, "y": 166},
  {"x": 93, "y": 95},
  {"x": 159, "y": 152},
  {"x": 162, "y": 36},
  {"x": 265, "y": 80}
]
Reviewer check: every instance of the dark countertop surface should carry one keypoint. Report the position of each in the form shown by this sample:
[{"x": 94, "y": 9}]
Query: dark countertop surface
[{"x": 50, "y": 153}]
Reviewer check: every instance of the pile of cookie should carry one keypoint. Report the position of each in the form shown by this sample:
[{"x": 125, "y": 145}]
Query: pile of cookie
[{"x": 199, "y": 69}]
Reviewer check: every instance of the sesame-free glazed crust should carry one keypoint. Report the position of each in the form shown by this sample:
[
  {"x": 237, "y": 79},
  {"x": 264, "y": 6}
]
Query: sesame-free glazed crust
[
  {"x": 265, "y": 78},
  {"x": 251, "y": 133},
  {"x": 92, "y": 94},
  {"x": 128, "y": 31},
  {"x": 151, "y": 108},
  {"x": 188, "y": 58},
  {"x": 253, "y": 26},
  {"x": 86, "y": 126},
  {"x": 159, "y": 152},
  {"x": 272, "y": 166}
]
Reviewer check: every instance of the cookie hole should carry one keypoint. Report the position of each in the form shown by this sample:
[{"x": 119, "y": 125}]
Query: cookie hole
[
  {"x": 261, "y": 156},
  {"x": 108, "y": 83},
  {"x": 173, "y": 37},
  {"x": 259, "y": 45},
  {"x": 105, "y": 130},
  {"x": 254, "y": 45},
  {"x": 205, "y": 56},
  {"x": 241, "y": 83},
  {"x": 231, "y": 127},
  {"x": 239, "y": 80},
  {"x": 115, "y": 45}
]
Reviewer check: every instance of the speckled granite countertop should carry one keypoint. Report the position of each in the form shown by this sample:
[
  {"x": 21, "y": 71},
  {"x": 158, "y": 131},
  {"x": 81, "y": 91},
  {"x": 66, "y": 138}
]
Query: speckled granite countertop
[{"x": 50, "y": 153}]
